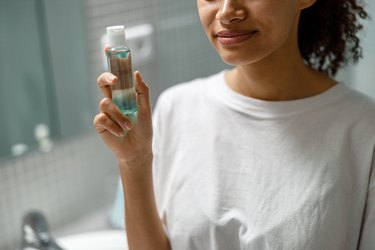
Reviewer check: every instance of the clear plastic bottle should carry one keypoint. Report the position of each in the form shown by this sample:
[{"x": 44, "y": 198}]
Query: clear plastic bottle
[{"x": 119, "y": 64}]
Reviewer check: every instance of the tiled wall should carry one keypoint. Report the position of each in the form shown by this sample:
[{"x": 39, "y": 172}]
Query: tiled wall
[
  {"x": 363, "y": 74},
  {"x": 79, "y": 176},
  {"x": 182, "y": 51}
]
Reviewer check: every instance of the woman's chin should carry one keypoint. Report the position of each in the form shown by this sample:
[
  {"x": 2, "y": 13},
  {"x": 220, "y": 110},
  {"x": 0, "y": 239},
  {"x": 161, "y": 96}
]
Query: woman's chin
[
  {"x": 236, "y": 60},
  {"x": 244, "y": 56}
]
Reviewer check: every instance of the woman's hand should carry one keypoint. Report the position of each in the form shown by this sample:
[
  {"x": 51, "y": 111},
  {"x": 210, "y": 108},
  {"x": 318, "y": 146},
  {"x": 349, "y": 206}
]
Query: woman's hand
[
  {"x": 134, "y": 153},
  {"x": 130, "y": 142}
]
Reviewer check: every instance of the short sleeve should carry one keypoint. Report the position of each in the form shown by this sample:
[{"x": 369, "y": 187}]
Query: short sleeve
[
  {"x": 159, "y": 171},
  {"x": 367, "y": 239}
]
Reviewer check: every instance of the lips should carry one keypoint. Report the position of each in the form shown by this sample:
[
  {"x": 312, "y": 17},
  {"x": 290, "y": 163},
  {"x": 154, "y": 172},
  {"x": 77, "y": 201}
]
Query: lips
[{"x": 230, "y": 37}]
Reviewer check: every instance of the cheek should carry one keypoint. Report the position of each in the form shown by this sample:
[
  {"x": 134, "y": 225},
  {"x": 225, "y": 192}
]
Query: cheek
[
  {"x": 277, "y": 24},
  {"x": 207, "y": 16},
  {"x": 276, "y": 21}
]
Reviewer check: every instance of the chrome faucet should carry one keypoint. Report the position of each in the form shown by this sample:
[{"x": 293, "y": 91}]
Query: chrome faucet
[{"x": 35, "y": 233}]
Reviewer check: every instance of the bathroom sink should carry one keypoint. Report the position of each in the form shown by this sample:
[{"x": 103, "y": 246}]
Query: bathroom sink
[{"x": 99, "y": 240}]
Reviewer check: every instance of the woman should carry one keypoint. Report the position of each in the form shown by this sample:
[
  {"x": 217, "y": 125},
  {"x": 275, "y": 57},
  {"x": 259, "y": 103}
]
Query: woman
[{"x": 273, "y": 154}]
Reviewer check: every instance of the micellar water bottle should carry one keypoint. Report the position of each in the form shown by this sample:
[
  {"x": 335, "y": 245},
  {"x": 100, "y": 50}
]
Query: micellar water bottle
[{"x": 119, "y": 64}]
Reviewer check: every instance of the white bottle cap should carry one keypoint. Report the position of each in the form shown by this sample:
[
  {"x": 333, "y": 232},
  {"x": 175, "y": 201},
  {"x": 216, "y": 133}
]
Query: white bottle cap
[{"x": 116, "y": 36}]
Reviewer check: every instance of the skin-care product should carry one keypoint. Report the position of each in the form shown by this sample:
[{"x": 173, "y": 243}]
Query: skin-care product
[{"x": 119, "y": 64}]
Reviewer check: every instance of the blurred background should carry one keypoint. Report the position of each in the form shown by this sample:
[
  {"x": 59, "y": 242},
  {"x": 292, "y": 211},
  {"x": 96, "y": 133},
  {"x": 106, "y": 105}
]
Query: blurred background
[{"x": 50, "y": 56}]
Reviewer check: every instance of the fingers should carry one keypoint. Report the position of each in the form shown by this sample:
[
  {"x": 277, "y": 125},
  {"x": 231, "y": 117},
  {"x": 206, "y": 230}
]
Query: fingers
[
  {"x": 143, "y": 95},
  {"x": 103, "y": 123},
  {"x": 107, "y": 107},
  {"x": 105, "y": 81},
  {"x": 114, "y": 118}
]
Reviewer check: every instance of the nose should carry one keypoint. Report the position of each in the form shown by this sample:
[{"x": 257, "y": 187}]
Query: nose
[{"x": 231, "y": 11}]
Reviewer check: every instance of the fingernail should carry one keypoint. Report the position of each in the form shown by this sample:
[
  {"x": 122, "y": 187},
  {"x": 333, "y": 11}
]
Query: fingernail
[
  {"x": 140, "y": 76},
  {"x": 110, "y": 78},
  {"x": 128, "y": 125},
  {"x": 121, "y": 134}
]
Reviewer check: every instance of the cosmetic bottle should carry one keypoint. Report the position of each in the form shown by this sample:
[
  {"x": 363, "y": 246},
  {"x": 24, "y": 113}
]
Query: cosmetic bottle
[{"x": 119, "y": 64}]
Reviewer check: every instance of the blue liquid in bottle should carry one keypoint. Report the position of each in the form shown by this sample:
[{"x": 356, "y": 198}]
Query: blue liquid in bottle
[{"x": 119, "y": 64}]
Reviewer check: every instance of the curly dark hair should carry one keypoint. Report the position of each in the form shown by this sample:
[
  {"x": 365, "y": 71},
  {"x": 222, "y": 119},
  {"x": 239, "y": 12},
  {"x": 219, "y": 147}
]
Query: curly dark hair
[{"x": 328, "y": 34}]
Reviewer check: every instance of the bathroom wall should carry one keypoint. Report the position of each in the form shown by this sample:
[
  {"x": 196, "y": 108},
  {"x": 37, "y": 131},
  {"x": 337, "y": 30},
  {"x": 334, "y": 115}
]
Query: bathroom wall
[
  {"x": 182, "y": 50},
  {"x": 363, "y": 74},
  {"x": 79, "y": 176}
]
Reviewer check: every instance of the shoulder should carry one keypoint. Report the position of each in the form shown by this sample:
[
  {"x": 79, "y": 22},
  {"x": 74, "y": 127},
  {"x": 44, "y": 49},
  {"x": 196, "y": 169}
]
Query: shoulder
[
  {"x": 357, "y": 113},
  {"x": 186, "y": 94},
  {"x": 361, "y": 104}
]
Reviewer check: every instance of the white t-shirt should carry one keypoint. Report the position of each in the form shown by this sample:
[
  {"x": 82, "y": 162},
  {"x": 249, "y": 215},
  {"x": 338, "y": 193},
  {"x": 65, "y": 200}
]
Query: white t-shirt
[{"x": 233, "y": 172}]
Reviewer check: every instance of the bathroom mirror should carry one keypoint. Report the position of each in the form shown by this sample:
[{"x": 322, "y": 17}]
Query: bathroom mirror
[{"x": 44, "y": 86}]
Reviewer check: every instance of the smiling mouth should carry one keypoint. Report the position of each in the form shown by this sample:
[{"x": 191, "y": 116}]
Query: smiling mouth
[{"x": 234, "y": 37}]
